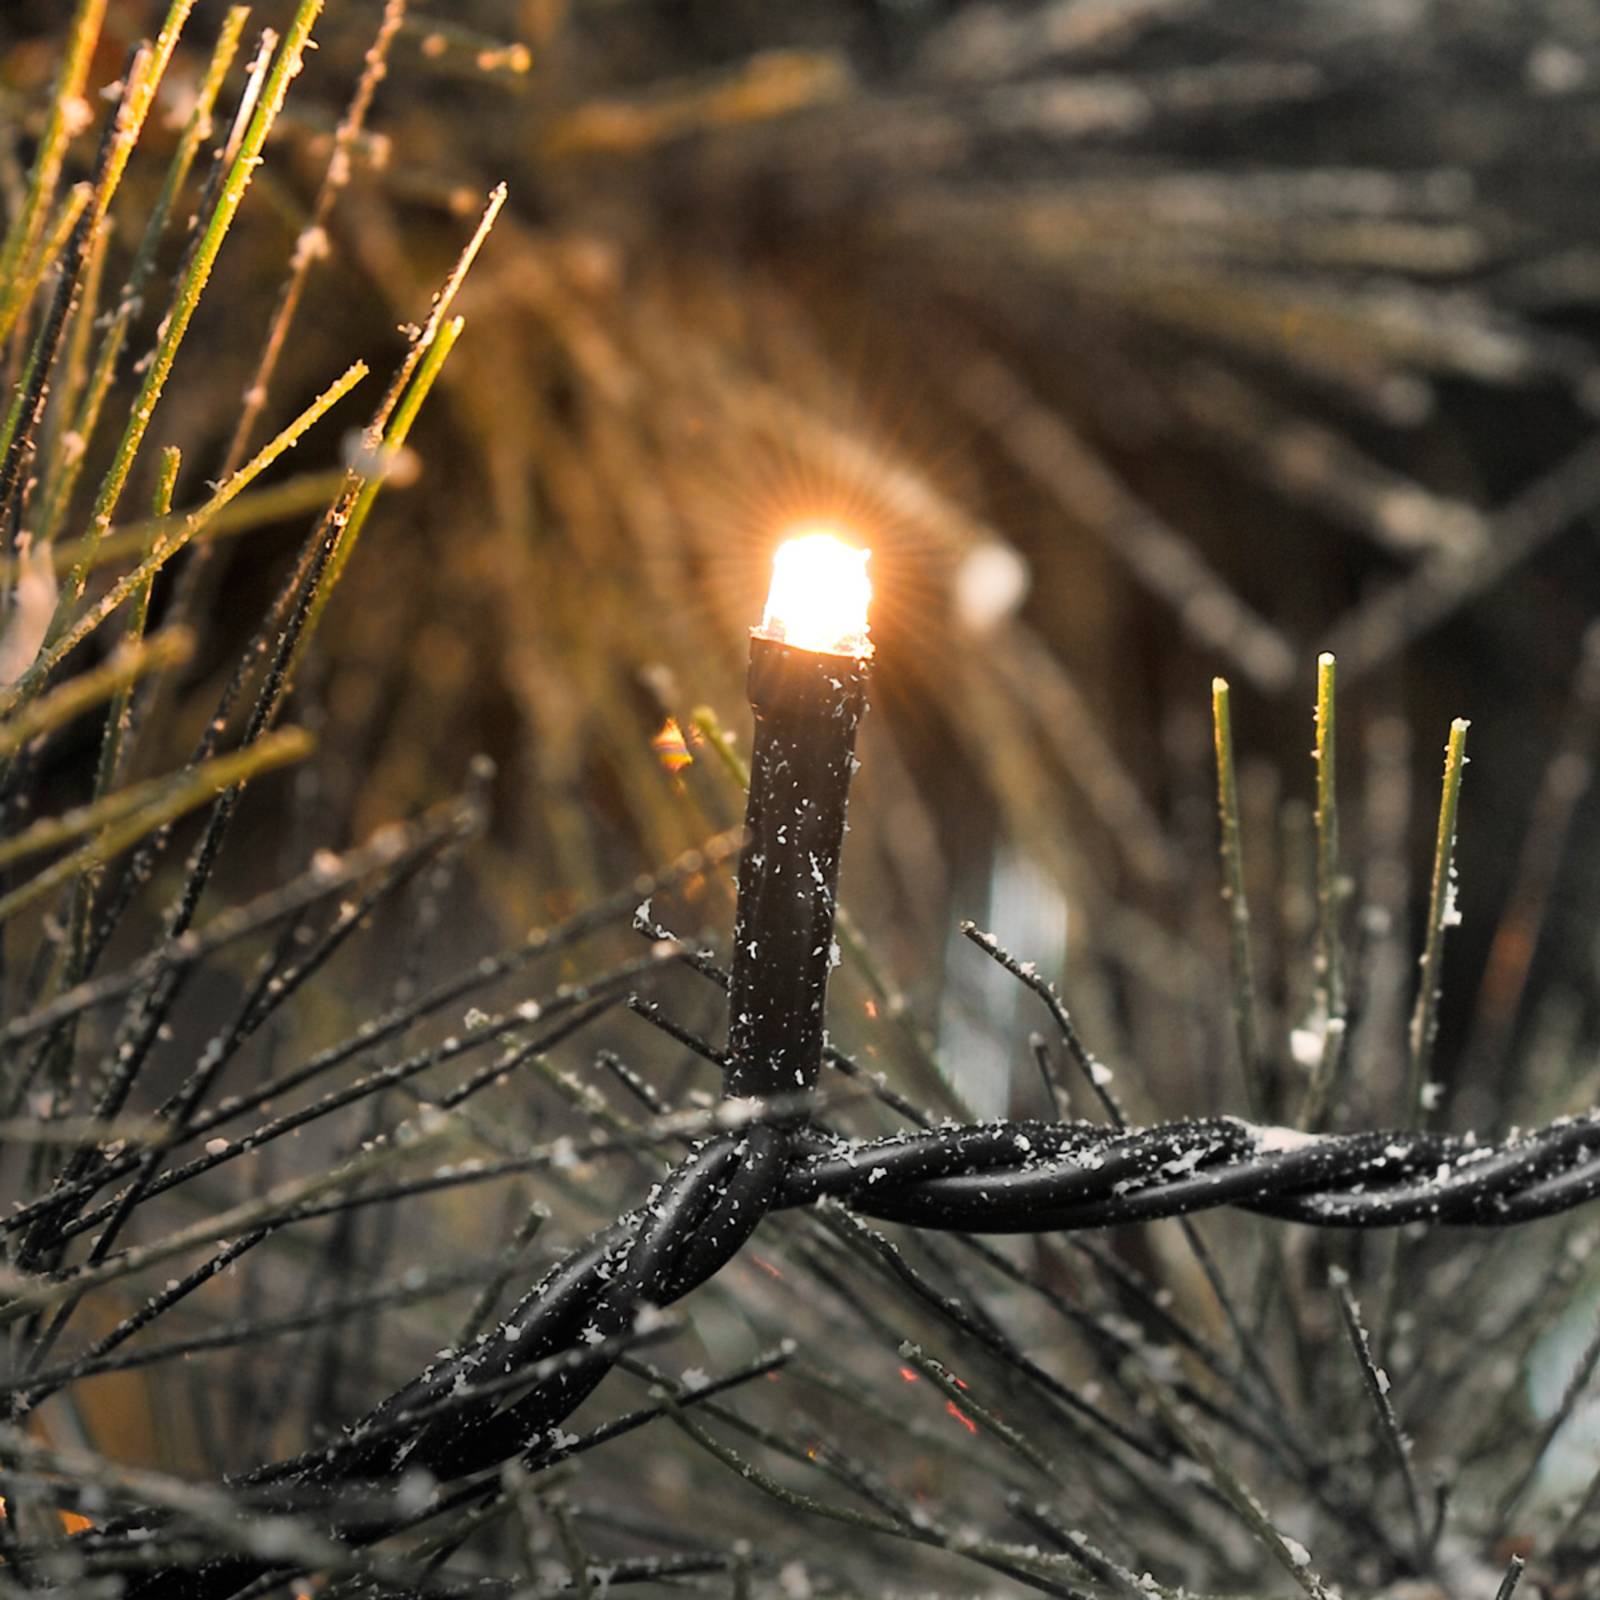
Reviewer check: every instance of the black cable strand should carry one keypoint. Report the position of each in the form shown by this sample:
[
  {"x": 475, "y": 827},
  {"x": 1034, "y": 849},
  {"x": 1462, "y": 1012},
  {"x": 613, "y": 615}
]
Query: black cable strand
[{"x": 1010, "y": 1177}]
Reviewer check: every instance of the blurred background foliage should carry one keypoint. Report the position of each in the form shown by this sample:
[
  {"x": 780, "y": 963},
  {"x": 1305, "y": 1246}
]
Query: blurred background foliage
[{"x": 1142, "y": 341}]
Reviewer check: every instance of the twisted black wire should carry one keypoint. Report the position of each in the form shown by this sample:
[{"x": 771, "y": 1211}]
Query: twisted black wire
[
  {"x": 1008, "y": 1177},
  {"x": 1015, "y": 1177}
]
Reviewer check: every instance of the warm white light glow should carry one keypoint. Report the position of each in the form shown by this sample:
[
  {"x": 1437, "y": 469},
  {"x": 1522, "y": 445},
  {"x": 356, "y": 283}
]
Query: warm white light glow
[{"x": 820, "y": 595}]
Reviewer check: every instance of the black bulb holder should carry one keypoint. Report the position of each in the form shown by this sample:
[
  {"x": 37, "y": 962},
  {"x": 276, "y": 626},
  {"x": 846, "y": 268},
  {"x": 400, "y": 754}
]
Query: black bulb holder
[{"x": 807, "y": 706}]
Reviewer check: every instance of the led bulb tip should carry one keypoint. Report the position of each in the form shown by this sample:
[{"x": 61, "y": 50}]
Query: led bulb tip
[{"x": 820, "y": 595}]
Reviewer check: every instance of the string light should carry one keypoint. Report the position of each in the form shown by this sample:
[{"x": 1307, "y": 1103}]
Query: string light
[
  {"x": 807, "y": 686},
  {"x": 507, "y": 1392}
]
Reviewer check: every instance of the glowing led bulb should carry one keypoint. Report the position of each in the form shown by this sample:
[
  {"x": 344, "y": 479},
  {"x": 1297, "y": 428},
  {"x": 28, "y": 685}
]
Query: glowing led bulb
[{"x": 820, "y": 596}]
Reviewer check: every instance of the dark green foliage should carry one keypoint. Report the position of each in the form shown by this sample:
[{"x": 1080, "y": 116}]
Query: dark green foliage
[{"x": 1145, "y": 342}]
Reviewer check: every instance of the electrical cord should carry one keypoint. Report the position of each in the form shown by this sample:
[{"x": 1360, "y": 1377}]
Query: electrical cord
[{"x": 1003, "y": 1177}]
